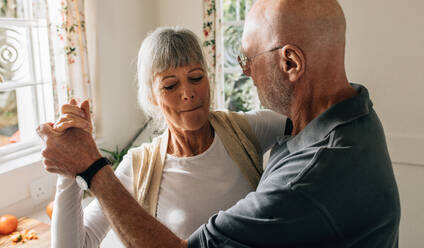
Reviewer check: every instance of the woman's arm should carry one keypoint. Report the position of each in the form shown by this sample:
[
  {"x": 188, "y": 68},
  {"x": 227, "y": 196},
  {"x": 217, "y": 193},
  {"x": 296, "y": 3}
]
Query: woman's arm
[
  {"x": 73, "y": 227},
  {"x": 267, "y": 125},
  {"x": 67, "y": 222}
]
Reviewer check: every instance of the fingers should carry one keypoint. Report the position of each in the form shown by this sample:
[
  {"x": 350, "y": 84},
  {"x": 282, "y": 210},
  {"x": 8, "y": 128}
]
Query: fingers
[
  {"x": 63, "y": 126},
  {"x": 45, "y": 130},
  {"x": 49, "y": 163},
  {"x": 85, "y": 106},
  {"x": 74, "y": 116},
  {"x": 73, "y": 102},
  {"x": 83, "y": 110},
  {"x": 68, "y": 117},
  {"x": 72, "y": 109},
  {"x": 69, "y": 121},
  {"x": 51, "y": 166}
]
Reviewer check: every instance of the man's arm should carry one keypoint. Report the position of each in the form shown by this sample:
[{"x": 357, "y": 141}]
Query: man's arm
[
  {"x": 275, "y": 215},
  {"x": 70, "y": 149},
  {"x": 72, "y": 152},
  {"x": 135, "y": 227}
]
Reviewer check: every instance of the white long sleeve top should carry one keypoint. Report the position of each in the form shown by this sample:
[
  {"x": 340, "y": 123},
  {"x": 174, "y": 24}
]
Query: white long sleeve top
[{"x": 192, "y": 189}]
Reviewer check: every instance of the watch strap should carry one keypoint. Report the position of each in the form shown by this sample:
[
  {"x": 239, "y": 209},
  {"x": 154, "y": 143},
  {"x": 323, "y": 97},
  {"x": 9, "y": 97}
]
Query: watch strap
[{"x": 89, "y": 173}]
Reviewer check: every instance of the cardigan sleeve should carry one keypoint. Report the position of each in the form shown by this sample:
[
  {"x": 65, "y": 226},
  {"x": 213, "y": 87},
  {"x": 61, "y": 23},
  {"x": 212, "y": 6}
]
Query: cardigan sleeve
[
  {"x": 267, "y": 126},
  {"x": 73, "y": 226}
]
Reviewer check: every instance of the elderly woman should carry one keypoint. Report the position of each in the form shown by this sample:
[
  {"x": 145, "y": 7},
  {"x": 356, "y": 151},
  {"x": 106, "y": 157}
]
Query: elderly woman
[{"x": 203, "y": 163}]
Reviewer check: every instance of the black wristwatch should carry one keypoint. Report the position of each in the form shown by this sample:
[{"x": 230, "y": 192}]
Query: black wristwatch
[{"x": 84, "y": 178}]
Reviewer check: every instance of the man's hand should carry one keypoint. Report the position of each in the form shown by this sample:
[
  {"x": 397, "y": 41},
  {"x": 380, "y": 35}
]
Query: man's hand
[
  {"x": 67, "y": 153},
  {"x": 70, "y": 149}
]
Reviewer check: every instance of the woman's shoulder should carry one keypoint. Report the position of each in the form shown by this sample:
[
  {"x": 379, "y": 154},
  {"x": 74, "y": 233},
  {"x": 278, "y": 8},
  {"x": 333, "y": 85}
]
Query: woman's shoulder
[
  {"x": 258, "y": 112},
  {"x": 147, "y": 147},
  {"x": 263, "y": 114},
  {"x": 252, "y": 116},
  {"x": 225, "y": 113}
]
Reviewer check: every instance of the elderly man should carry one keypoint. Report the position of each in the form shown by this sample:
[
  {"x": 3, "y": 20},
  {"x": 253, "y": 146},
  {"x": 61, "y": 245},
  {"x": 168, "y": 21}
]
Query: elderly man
[{"x": 329, "y": 183}]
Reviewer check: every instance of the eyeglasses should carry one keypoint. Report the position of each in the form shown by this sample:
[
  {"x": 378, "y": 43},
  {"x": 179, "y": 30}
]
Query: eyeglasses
[{"x": 245, "y": 61}]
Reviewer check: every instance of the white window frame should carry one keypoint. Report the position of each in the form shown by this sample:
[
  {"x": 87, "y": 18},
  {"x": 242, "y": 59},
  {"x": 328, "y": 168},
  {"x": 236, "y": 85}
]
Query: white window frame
[
  {"x": 220, "y": 28},
  {"x": 35, "y": 96}
]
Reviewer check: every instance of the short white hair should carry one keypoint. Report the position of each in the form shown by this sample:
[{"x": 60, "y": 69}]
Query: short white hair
[{"x": 163, "y": 49}]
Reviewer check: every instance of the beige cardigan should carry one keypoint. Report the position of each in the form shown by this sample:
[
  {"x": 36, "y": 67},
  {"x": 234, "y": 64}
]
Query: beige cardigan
[{"x": 237, "y": 136}]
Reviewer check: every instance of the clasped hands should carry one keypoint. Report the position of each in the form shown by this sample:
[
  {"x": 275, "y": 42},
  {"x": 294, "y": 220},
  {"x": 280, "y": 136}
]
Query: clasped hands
[{"x": 68, "y": 145}]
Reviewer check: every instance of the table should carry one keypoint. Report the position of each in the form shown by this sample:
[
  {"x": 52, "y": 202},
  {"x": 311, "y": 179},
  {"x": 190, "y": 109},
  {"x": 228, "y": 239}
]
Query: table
[{"x": 43, "y": 233}]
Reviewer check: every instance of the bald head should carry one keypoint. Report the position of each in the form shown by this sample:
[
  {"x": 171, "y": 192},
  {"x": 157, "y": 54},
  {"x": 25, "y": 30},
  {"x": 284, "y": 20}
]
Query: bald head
[
  {"x": 307, "y": 74},
  {"x": 311, "y": 25}
]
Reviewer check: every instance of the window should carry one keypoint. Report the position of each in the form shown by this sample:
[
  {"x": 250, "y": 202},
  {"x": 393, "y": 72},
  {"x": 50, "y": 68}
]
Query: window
[
  {"x": 26, "y": 98},
  {"x": 239, "y": 91}
]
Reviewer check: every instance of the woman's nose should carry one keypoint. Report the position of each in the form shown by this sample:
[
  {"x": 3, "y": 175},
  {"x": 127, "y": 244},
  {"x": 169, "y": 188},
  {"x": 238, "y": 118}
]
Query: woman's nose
[{"x": 188, "y": 93}]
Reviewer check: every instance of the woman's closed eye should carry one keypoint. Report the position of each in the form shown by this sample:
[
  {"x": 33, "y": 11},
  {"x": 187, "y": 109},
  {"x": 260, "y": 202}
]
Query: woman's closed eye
[
  {"x": 169, "y": 86},
  {"x": 195, "y": 79}
]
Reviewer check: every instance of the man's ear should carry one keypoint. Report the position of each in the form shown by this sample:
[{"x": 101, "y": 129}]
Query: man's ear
[{"x": 293, "y": 62}]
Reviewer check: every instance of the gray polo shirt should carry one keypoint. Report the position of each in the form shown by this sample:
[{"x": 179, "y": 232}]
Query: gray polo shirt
[{"x": 332, "y": 185}]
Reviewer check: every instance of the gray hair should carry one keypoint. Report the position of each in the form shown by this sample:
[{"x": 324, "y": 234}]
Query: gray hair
[{"x": 163, "y": 49}]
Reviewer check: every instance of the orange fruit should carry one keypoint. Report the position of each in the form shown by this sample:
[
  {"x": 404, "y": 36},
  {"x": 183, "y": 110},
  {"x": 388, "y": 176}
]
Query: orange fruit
[
  {"x": 49, "y": 209},
  {"x": 8, "y": 224}
]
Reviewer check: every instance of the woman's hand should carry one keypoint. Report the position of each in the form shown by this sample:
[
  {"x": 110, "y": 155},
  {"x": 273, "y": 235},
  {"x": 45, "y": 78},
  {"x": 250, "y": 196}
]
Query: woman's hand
[{"x": 74, "y": 116}]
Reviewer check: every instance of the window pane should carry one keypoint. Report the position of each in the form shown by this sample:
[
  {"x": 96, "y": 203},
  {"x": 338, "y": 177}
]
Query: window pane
[
  {"x": 240, "y": 93},
  {"x": 38, "y": 9},
  {"x": 14, "y": 62},
  {"x": 244, "y": 8},
  {"x": 11, "y": 8},
  {"x": 9, "y": 128},
  {"x": 232, "y": 41},
  {"x": 229, "y": 9},
  {"x": 24, "y": 58},
  {"x": 236, "y": 10}
]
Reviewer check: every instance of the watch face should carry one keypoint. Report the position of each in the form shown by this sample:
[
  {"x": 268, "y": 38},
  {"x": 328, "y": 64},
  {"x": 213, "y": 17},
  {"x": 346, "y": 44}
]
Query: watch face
[{"x": 81, "y": 183}]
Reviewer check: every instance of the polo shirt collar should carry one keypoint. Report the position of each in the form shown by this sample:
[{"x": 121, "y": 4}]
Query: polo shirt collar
[{"x": 338, "y": 114}]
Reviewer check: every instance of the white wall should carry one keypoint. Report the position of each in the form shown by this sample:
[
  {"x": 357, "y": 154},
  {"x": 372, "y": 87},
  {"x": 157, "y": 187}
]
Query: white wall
[
  {"x": 385, "y": 52},
  {"x": 121, "y": 26},
  {"x": 15, "y": 187},
  {"x": 186, "y": 13}
]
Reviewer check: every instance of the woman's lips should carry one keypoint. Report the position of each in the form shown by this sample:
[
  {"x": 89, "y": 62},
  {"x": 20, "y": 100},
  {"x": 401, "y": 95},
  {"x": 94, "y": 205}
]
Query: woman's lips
[{"x": 189, "y": 110}]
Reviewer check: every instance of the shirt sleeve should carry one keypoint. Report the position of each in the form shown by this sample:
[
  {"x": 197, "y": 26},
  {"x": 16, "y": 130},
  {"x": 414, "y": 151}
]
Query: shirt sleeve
[
  {"x": 267, "y": 125},
  {"x": 74, "y": 227},
  {"x": 272, "y": 216}
]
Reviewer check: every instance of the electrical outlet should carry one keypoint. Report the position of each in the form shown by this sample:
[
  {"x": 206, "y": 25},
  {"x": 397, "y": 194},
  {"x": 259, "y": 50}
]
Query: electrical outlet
[{"x": 40, "y": 190}]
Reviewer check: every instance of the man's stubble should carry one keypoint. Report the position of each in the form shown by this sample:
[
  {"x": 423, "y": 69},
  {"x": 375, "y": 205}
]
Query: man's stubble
[{"x": 277, "y": 93}]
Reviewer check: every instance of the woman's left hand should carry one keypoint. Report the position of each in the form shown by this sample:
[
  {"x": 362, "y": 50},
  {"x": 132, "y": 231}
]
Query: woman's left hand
[{"x": 74, "y": 116}]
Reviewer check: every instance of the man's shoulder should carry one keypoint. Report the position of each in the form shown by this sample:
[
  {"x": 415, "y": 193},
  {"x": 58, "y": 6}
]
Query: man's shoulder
[
  {"x": 289, "y": 168},
  {"x": 357, "y": 145},
  {"x": 321, "y": 169},
  {"x": 325, "y": 157}
]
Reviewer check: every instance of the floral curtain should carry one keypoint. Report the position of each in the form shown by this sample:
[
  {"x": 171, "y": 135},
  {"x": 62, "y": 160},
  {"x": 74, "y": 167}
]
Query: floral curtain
[
  {"x": 68, "y": 51},
  {"x": 212, "y": 50}
]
